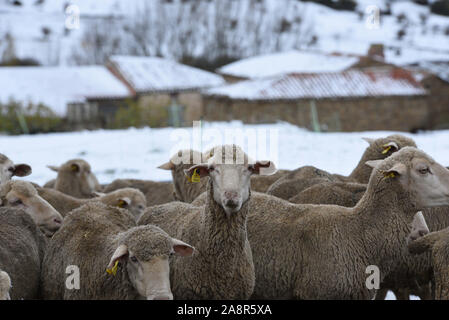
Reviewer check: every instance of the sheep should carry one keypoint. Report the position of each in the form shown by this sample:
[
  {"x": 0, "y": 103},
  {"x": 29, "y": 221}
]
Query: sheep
[
  {"x": 437, "y": 244},
  {"x": 345, "y": 194},
  {"x": 22, "y": 248},
  {"x": 307, "y": 251},
  {"x": 116, "y": 258},
  {"x": 222, "y": 267},
  {"x": 128, "y": 198},
  {"x": 187, "y": 191},
  {"x": 23, "y": 195},
  {"x": 291, "y": 184},
  {"x": 410, "y": 278},
  {"x": 8, "y": 169},
  {"x": 76, "y": 179},
  {"x": 5, "y": 286},
  {"x": 155, "y": 192}
]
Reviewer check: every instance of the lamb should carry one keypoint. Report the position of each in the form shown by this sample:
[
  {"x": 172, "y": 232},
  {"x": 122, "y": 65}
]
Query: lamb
[
  {"x": 5, "y": 286},
  {"x": 8, "y": 169},
  {"x": 23, "y": 195},
  {"x": 127, "y": 198},
  {"x": 322, "y": 251},
  {"x": 76, "y": 179},
  {"x": 291, "y": 184},
  {"x": 155, "y": 192},
  {"x": 437, "y": 244},
  {"x": 116, "y": 258},
  {"x": 222, "y": 266},
  {"x": 22, "y": 248}
]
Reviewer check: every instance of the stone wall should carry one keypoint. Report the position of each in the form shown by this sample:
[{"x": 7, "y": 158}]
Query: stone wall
[{"x": 355, "y": 114}]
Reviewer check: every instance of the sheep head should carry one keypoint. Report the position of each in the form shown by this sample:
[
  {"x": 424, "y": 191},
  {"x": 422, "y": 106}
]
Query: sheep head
[
  {"x": 417, "y": 173},
  {"x": 78, "y": 172},
  {"x": 144, "y": 253},
  {"x": 22, "y": 195},
  {"x": 8, "y": 169},
  {"x": 230, "y": 170}
]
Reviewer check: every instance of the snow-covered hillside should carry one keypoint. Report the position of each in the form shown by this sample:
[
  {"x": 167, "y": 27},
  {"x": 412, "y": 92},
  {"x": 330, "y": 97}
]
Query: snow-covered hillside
[{"x": 216, "y": 28}]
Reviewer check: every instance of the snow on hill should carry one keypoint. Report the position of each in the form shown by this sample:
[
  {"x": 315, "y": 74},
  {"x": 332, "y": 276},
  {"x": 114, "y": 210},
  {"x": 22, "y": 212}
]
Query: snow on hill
[{"x": 209, "y": 28}]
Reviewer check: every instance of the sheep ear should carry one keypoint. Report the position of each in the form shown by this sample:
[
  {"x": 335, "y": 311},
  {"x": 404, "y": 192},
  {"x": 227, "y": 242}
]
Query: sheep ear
[
  {"x": 398, "y": 169},
  {"x": 369, "y": 140},
  {"x": 98, "y": 194},
  {"x": 124, "y": 202},
  {"x": 393, "y": 146},
  {"x": 167, "y": 166},
  {"x": 201, "y": 169},
  {"x": 263, "y": 168},
  {"x": 54, "y": 168},
  {"x": 373, "y": 163},
  {"x": 182, "y": 249},
  {"x": 120, "y": 253},
  {"x": 22, "y": 170}
]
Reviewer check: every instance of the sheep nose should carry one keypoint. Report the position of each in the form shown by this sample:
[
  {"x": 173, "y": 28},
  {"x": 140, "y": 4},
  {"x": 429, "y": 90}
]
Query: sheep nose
[
  {"x": 57, "y": 221},
  {"x": 231, "y": 204}
]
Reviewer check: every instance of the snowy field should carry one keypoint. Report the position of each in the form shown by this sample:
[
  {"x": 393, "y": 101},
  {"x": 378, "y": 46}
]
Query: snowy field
[{"x": 136, "y": 153}]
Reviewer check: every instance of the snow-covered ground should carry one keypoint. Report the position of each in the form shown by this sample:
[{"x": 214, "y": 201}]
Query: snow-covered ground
[{"x": 136, "y": 153}]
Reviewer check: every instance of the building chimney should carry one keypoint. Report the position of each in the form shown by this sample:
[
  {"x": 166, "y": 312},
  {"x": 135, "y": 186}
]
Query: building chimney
[{"x": 376, "y": 51}]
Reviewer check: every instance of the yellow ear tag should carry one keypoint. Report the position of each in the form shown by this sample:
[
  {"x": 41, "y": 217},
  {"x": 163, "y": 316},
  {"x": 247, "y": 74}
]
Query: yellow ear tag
[
  {"x": 195, "y": 177},
  {"x": 389, "y": 175},
  {"x": 387, "y": 148},
  {"x": 113, "y": 270},
  {"x": 121, "y": 203}
]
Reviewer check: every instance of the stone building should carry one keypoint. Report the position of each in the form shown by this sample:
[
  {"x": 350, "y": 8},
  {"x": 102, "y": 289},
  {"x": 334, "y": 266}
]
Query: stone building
[
  {"x": 169, "y": 90},
  {"x": 381, "y": 98}
]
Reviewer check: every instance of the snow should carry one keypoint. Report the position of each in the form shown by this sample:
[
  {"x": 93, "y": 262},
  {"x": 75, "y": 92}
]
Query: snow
[
  {"x": 287, "y": 62},
  {"x": 353, "y": 83},
  {"x": 136, "y": 153},
  {"x": 156, "y": 74},
  {"x": 57, "y": 86},
  {"x": 183, "y": 29}
]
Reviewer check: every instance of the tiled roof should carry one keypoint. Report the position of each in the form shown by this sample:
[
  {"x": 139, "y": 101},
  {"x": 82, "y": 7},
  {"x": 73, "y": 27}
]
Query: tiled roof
[{"x": 375, "y": 82}]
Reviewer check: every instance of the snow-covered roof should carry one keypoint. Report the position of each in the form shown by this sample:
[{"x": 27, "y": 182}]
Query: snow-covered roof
[
  {"x": 287, "y": 62},
  {"x": 440, "y": 69},
  {"x": 152, "y": 74},
  {"x": 57, "y": 86},
  {"x": 374, "y": 82}
]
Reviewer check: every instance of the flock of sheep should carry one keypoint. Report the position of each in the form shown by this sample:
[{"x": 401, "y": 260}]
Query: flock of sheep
[{"x": 229, "y": 227}]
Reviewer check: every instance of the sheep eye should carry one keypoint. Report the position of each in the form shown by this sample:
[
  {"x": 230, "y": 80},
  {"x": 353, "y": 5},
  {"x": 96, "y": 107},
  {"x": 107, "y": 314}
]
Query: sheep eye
[
  {"x": 17, "y": 202},
  {"x": 133, "y": 259},
  {"x": 424, "y": 170},
  {"x": 11, "y": 169}
]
